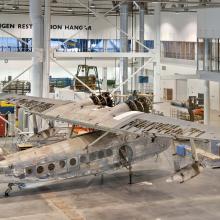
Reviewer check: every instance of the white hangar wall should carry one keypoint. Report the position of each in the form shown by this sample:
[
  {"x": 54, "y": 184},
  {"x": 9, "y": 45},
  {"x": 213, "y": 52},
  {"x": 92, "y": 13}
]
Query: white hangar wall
[
  {"x": 179, "y": 27},
  {"x": 208, "y": 23},
  {"x": 66, "y": 26},
  {"x": 174, "y": 27}
]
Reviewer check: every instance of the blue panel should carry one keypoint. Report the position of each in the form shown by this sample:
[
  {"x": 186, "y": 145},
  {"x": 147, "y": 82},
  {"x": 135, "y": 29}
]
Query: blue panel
[
  {"x": 149, "y": 44},
  {"x": 143, "y": 79},
  {"x": 64, "y": 82},
  {"x": 181, "y": 150},
  {"x": 215, "y": 148},
  {"x": 113, "y": 45},
  {"x": 6, "y": 110}
]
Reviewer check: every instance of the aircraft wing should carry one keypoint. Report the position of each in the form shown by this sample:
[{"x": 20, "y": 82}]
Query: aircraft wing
[
  {"x": 118, "y": 119},
  {"x": 36, "y": 104}
]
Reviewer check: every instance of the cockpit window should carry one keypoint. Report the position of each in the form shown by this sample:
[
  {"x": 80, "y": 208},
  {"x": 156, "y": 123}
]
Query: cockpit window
[
  {"x": 83, "y": 159},
  {"x": 109, "y": 152},
  {"x": 101, "y": 154},
  {"x": 92, "y": 156}
]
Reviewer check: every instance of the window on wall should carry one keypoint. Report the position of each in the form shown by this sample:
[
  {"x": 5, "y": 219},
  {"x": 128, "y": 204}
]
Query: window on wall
[
  {"x": 208, "y": 54},
  {"x": 9, "y": 44},
  {"x": 96, "y": 45},
  {"x": 148, "y": 43},
  {"x": 112, "y": 45},
  {"x": 178, "y": 50}
]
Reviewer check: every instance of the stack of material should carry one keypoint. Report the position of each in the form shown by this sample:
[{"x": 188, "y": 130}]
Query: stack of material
[{"x": 20, "y": 87}]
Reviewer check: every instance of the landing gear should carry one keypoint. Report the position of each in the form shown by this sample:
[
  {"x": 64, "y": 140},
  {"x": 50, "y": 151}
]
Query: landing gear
[
  {"x": 125, "y": 157},
  {"x": 130, "y": 174},
  {"x": 9, "y": 189},
  {"x": 102, "y": 179},
  {"x": 10, "y": 185}
]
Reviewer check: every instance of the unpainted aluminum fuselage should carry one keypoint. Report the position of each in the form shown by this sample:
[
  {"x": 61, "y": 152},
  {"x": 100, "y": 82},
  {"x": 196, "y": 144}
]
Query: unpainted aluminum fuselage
[{"x": 73, "y": 158}]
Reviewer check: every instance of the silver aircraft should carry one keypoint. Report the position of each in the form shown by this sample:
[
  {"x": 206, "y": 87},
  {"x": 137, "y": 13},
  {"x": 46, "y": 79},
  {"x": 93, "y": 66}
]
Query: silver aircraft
[{"x": 119, "y": 137}]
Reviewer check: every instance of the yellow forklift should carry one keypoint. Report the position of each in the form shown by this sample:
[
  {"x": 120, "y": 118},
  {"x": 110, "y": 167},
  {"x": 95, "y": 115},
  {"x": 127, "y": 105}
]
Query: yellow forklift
[{"x": 89, "y": 76}]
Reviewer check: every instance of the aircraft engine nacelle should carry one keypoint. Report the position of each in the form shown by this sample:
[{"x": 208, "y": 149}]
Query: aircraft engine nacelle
[{"x": 186, "y": 173}]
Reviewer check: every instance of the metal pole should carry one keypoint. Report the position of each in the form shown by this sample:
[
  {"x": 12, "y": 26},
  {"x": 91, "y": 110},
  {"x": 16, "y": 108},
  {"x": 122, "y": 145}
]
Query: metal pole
[
  {"x": 124, "y": 45},
  {"x": 132, "y": 75},
  {"x": 46, "y": 72},
  {"x": 104, "y": 79},
  {"x": 98, "y": 15},
  {"x": 206, "y": 85},
  {"x": 37, "y": 45},
  {"x": 94, "y": 21},
  {"x": 141, "y": 39},
  {"x": 157, "y": 57}
]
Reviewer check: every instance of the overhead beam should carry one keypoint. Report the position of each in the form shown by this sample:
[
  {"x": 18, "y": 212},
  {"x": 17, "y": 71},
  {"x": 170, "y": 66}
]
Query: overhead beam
[{"x": 101, "y": 55}]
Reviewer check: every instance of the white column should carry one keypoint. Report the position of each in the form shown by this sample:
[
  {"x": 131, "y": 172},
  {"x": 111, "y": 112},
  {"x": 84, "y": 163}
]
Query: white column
[
  {"x": 206, "y": 102},
  {"x": 206, "y": 84},
  {"x": 219, "y": 97},
  {"x": 141, "y": 39},
  {"x": 124, "y": 44},
  {"x": 157, "y": 94},
  {"x": 37, "y": 47},
  {"x": 104, "y": 79},
  {"x": 46, "y": 72}
]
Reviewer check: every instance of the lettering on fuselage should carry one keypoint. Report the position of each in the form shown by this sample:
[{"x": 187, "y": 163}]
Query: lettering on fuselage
[{"x": 145, "y": 126}]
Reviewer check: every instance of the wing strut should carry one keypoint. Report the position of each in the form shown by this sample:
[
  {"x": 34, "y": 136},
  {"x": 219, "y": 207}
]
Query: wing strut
[{"x": 188, "y": 172}]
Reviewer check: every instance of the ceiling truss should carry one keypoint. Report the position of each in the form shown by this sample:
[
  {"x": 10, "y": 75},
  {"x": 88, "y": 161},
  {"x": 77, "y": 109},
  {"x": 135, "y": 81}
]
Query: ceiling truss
[{"x": 73, "y": 8}]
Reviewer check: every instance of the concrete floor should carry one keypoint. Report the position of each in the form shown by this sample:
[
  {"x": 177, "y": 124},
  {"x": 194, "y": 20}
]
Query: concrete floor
[{"x": 87, "y": 198}]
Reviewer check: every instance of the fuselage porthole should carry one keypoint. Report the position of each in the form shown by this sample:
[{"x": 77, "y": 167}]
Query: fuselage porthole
[
  {"x": 29, "y": 170},
  {"x": 72, "y": 162},
  {"x": 40, "y": 169},
  {"x": 51, "y": 167},
  {"x": 62, "y": 164}
]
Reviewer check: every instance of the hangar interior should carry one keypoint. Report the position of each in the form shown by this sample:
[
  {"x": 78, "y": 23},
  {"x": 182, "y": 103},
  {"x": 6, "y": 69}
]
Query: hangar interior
[{"x": 167, "y": 52}]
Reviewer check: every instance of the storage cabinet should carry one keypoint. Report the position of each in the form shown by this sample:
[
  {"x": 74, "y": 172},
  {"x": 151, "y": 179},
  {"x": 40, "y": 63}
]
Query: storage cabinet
[
  {"x": 168, "y": 94},
  {"x": 2, "y": 127}
]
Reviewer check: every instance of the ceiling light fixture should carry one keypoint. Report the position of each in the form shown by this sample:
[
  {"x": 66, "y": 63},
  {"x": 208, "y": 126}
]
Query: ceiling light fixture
[
  {"x": 15, "y": 7},
  {"x": 92, "y": 5},
  {"x": 69, "y": 10}
]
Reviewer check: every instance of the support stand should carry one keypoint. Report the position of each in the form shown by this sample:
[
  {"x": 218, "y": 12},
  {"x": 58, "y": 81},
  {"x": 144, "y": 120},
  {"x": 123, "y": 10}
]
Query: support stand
[
  {"x": 102, "y": 179},
  {"x": 130, "y": 174},
  {"x": 9, "y": 189}
]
